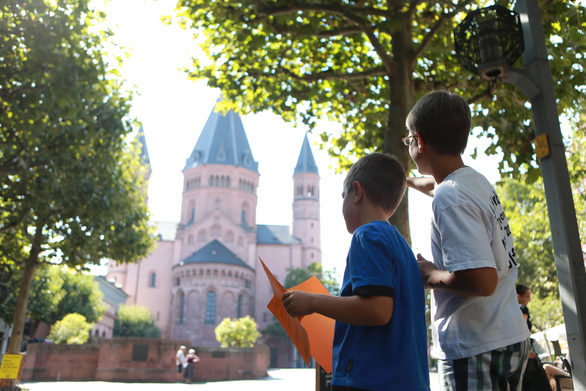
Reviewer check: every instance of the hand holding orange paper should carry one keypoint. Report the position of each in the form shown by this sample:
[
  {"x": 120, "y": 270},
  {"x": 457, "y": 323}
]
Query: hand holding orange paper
[{"x": 312, "y": 334}]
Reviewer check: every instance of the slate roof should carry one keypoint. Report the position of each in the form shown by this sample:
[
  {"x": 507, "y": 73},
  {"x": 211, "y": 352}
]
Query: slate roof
[
  {"x": 305, "y": 162},
  {"x": 222, "y": 141},
  {"x": 275, "y": 234},
  {"x": 215, "y": 252},
  {"x": 144, "y": 152}
]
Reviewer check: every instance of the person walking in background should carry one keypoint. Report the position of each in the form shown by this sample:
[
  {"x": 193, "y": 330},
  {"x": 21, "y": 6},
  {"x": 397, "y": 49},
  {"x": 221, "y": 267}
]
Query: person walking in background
[
  {"x": 479, "y": 335},
  {"x": 535, "y": 378},
  {"x": 380, "y": 337},
  {"x": 180, "y": 361},
  {"x": 523, "y": 298},
  {"x": 191, "y": 359}
]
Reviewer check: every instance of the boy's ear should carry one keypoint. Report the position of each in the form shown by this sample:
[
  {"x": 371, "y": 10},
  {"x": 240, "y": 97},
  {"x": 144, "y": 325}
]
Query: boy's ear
[
  {"x": 358, "y": 191},
  {"x": 420, "y": 143}
]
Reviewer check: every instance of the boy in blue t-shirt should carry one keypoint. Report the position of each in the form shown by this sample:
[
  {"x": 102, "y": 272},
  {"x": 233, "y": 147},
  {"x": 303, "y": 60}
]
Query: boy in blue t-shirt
[{"x": 380, "y": 338}]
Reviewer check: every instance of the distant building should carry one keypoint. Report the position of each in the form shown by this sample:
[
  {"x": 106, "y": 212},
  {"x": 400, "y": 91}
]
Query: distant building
[
  {"x": 113, "y": 297},
  {"x": 206, "y": 267}
]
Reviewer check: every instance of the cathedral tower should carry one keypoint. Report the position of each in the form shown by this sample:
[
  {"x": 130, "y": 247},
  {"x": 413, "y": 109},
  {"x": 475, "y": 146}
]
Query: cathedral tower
[
  {"x": 214, "y": 259},
  {"x": 306, "y": 223}
]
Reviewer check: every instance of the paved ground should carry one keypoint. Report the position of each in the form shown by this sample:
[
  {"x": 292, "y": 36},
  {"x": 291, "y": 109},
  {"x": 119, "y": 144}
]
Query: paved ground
[{"x": 278, "y": 380}]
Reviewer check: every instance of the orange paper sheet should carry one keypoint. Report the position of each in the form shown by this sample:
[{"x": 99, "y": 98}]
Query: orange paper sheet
[{"x": 312, "y": 334}]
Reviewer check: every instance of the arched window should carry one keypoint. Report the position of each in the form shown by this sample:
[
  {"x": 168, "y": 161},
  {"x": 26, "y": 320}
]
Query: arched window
[
  {"x": 210, "y": 308},
  {"x": 244, "y": 213},
  {"x": 239, "y": 308},
  {"x": 201, "y": 236},
  {"x": 153, "y": 280},
  {"x": 181, "y": 307}
]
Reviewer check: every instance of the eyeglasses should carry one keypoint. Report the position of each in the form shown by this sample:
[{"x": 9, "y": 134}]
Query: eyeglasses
[{"x": 407, "y": 140}]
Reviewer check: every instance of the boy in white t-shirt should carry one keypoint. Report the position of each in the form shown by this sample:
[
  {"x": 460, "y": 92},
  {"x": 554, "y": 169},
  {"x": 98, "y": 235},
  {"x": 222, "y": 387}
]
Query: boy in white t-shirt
[{"x": 479, "y": 334}]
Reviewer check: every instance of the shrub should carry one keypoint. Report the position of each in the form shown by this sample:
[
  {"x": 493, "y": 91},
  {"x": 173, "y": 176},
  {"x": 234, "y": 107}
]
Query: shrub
[
  {"x": 240, "y": 333},
  {"x": 72, "y": 329},
  {"x": 135, "y": 321}
]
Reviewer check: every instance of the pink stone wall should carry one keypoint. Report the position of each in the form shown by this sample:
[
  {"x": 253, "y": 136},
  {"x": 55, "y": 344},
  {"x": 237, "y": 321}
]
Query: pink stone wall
[
  {"x": 156, "y": 298},
  {"x": 139, "y": 360}
]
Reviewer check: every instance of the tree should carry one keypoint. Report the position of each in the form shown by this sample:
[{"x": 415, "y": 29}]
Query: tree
[
  {"x": 296, "y": 276},
  {"x": 45, "y": 296},
  {"x": 577, "y": 170},
  {"x": 72, "y": 329},
  {"x": 135, "y": 321},
  {"x": 72, "y": 188},
  {"x": 82, "y": 295},
  {"x": 364, "y": 63},
  {"x": 238, "y": 333},
  {"x": 525, "y": 207}
]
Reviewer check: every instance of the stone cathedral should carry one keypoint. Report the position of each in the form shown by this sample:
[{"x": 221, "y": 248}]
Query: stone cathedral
[{"x": 206, "y": 267}]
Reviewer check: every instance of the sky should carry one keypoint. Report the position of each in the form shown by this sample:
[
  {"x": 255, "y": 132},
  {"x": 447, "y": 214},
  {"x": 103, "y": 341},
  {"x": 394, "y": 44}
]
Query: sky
[{"x": 173, "y": 111}]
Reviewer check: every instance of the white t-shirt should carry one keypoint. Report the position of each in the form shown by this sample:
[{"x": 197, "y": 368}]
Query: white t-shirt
[
  {"x": 180, "y": 358},
  {"x": 470, "y": 231}
]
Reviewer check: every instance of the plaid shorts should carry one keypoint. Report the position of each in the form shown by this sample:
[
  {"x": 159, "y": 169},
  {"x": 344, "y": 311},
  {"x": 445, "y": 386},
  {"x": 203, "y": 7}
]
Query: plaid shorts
[{"x": 498, "y": 370}]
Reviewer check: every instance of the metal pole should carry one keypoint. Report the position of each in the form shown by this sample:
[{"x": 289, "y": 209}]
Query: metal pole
[{"x": 568, "y": 255}]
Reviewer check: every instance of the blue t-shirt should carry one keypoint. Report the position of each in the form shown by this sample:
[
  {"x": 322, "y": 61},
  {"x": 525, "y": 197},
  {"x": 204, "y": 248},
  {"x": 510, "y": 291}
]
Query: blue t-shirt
[{"x": 392, "y": 356}]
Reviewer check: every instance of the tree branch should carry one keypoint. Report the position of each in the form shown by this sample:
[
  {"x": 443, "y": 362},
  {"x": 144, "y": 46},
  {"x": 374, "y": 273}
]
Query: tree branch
[
  {"x": 348, "y": 13},
  {"x": 435, "y": 28},
  {"x": 342, "y": 31},
  {"x": 486, "y": 93},
  {"x": 292, "y": 7},
  {"x": 327, "y": 75}
]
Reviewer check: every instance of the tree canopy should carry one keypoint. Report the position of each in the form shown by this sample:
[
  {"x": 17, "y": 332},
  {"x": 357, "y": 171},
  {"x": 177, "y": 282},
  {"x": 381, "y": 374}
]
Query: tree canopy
[
  {"x": 526, "y": 209},
  {"x": 135, "y": 321},
  {"x": 364, "y": 63},
  {"x": 73, "y": 189}
]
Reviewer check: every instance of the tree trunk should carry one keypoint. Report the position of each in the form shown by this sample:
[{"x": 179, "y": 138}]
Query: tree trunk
[
  {"x": 402, "y": 98},
  {"x": 30, "y": 265}
]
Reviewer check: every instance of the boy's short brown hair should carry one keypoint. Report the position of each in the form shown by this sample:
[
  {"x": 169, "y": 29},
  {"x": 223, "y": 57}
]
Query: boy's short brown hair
[
  {"x": 383, "y": 178},
  {"x": 443, "y": 120}
]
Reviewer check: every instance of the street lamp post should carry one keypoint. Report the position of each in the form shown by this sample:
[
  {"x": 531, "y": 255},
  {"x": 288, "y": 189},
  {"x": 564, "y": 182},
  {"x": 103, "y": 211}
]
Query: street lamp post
[{"x": 536, "y": 83}]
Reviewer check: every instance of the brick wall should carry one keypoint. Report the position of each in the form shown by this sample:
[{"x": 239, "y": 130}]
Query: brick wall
[
  {"x": 139, "y": 360},
  {"x": 60, "y": 362}
]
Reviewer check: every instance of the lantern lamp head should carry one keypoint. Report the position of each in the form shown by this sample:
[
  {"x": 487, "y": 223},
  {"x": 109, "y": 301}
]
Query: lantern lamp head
[{"x": 488, "y": 41}]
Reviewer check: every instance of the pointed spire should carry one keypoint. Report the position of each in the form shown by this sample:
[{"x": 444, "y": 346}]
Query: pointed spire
[
  {"x": 306, "y": 162},
  {"x": 222, "y": 141},
  {"x": 144, "y": 152}
]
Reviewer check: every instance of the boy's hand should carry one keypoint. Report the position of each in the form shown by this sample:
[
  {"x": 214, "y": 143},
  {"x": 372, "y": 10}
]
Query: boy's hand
[
  {"x": 298, "y": 303},
  {"x": 425, "y": 269}
]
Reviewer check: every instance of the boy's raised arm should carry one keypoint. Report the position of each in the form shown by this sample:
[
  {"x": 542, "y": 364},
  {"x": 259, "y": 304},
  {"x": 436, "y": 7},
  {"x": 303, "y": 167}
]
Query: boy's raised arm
[
  {"x": 425, "y": 184},
  {"x": 470, "y": 282},
  {"x": 357, "y": 310}
]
